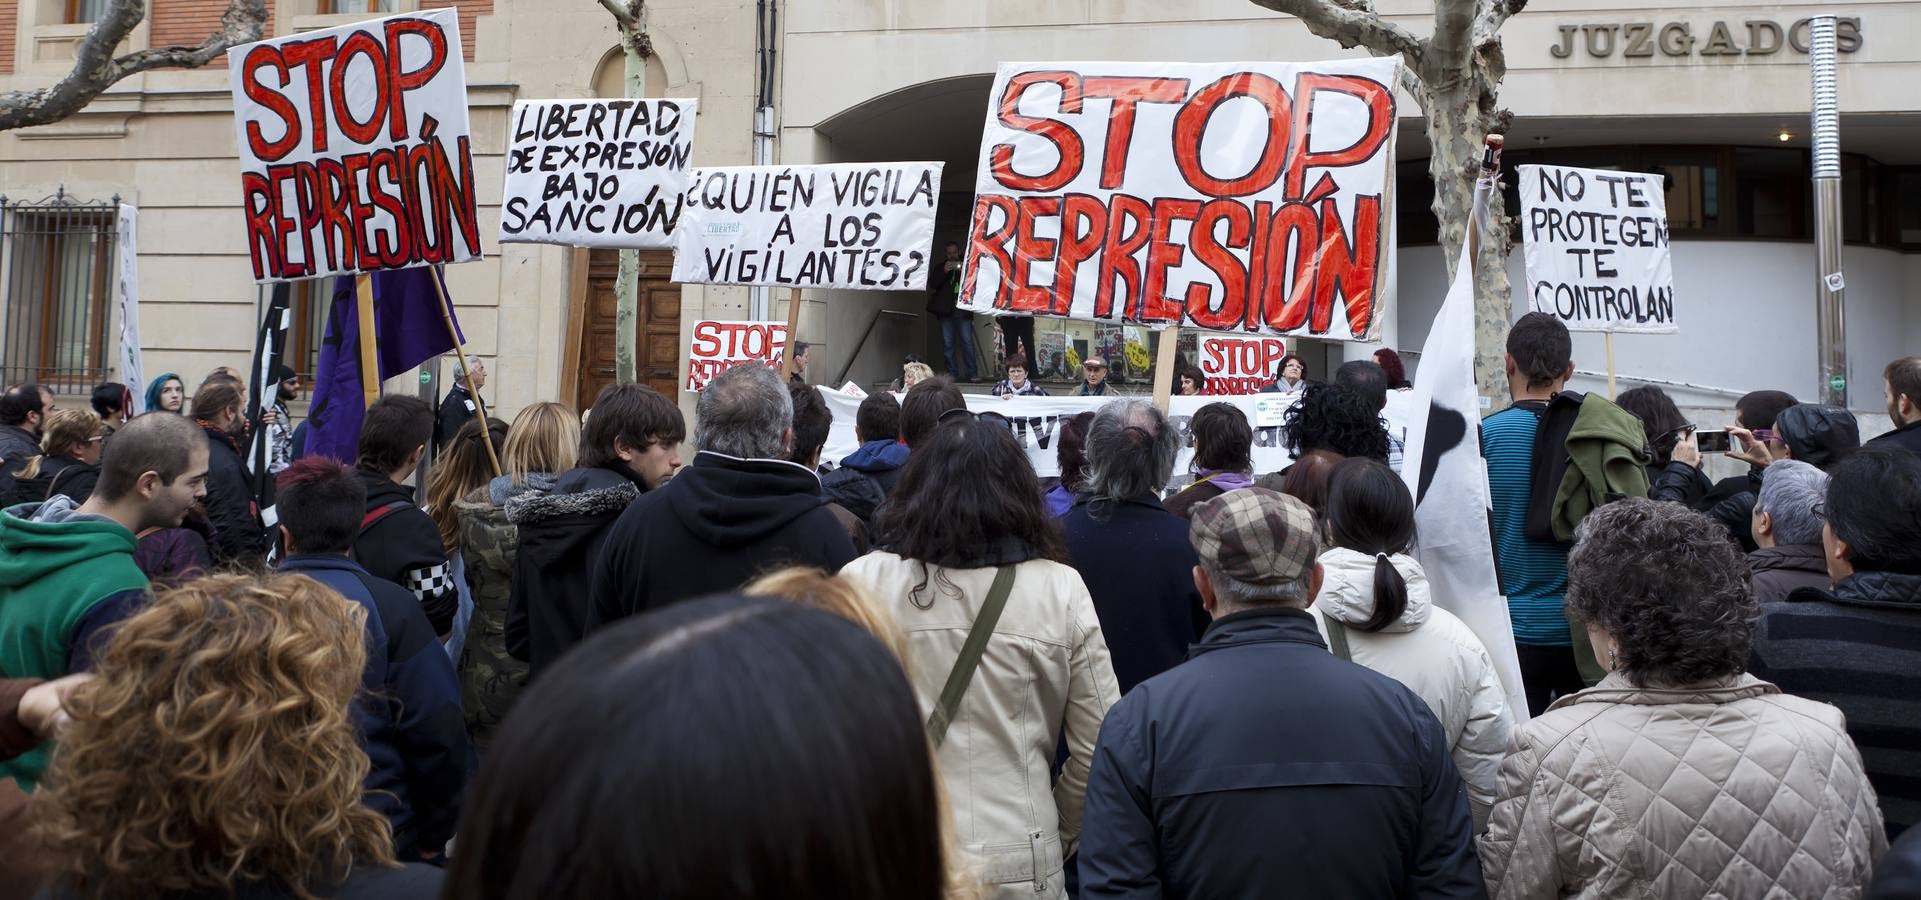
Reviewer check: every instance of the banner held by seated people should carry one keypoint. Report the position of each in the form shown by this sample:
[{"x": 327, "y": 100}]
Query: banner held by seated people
[
  {"x": 719, "y": 346},
  {"x": 1247, "y": 197},
  {"x": 856, "y": 226},
  {"x": 1239, "y": 365},
  {"x": 355, "y": 154},
  {"x": 597, "y": 173},
  {"x": 1598, "y": 255}
]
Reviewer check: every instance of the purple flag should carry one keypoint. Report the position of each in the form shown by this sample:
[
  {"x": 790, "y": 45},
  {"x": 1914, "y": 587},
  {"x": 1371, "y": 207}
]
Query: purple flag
[{"x": 409, "y": 331}]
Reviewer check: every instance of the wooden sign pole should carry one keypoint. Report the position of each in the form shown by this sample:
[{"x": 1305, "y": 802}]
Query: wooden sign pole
[
  {"x": 369, "y": 347},
  {"x": 466, "y": 374},
  {"x": 1164, "y": 375},
  {"x": 1610, "y": 346},
  {"x": 793, "y": 328}
]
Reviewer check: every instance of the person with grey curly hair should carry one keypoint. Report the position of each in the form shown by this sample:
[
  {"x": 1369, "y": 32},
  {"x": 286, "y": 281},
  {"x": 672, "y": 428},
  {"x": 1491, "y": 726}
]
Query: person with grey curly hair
[
  {"x": 1130, "y": 550},
  {"x": 1661, "y": 760},
  {"x": 740, "y": 509},
  {"x": 1787, "y": 528}
]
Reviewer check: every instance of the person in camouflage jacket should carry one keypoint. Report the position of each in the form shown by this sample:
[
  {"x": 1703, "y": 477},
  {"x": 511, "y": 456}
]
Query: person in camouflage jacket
[{"x": 490, "y": 677}]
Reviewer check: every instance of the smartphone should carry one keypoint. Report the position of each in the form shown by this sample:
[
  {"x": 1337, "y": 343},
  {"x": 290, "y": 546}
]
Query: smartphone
[{"x": 1713, "y": 441}]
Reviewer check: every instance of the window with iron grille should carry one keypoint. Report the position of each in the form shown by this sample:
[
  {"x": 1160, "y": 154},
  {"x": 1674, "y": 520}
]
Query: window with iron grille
[{"x": 56, "y": 284}]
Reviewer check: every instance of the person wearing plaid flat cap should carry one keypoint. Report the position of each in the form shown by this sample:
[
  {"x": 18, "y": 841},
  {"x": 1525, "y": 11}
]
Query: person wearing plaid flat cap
[{"x": 1264, "y": 766}]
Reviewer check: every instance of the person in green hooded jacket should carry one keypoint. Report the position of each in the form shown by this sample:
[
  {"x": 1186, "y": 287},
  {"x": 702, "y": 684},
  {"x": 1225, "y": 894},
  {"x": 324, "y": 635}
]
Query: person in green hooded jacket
[{"x": 67, "y": 572}]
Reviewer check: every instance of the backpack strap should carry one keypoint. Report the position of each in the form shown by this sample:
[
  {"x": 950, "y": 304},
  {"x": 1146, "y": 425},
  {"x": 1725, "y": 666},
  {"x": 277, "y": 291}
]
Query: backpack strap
[
  {"x": 1337, "y": 637},
  {"x": 378, "y": 513},
  {"x": 970, "y": 656}
]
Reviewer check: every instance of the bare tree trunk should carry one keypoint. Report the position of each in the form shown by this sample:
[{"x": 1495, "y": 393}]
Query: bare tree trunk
[
  {"x": 631, "y": 17},
  {"x": 95, "y": 68}
]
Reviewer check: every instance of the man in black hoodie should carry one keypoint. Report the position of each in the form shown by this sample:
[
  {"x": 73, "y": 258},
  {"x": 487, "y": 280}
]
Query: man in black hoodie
[
  {"x": 398, "y": 540},
  {"x": 630, "y": 445},
  {"x": 739, "y": 511}
]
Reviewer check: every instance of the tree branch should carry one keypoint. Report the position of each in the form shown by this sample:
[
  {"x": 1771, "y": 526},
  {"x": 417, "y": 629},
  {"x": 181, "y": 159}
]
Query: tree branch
[
  {"x": 1353, "y": 23},
  {"x": 1450, "y": 47},
  {"x": 1492, "y": 16},
  {"x": 95, "y": 69},
  {"x": 631, "y": 17}
]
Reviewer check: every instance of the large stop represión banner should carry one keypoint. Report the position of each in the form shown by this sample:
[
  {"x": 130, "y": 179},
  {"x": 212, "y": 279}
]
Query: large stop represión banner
[
  {"x": 1230, "y": 196},
  {"x": 355, "y": 153}
]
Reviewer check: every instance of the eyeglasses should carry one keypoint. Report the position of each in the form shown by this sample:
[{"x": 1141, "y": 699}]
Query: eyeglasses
[
  {"x": 1674, "y": 435},
  {"x": 992, "y": 418},
  {"x": 1764, "y": 435}
]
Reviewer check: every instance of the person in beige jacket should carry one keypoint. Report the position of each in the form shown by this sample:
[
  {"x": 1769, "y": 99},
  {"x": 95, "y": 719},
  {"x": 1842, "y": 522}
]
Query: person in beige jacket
[
  {"x": 1679, "y": 775},
  {"x": 966, "y": 505}
]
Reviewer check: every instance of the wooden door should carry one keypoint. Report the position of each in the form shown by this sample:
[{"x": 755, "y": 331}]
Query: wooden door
[{"x": 658, "y": 365}]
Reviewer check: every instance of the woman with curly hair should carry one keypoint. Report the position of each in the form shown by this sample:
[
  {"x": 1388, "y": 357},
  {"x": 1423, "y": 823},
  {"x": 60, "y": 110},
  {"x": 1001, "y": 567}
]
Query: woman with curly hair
[
  {"x": 214, "y": 756},
  {"x": 1679, "y": 775},
  {"x": 1338, "y": 419}
]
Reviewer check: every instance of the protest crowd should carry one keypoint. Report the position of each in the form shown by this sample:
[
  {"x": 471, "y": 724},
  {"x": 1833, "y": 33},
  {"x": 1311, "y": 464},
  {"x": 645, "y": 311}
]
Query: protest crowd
[{"x": 922, "y": 670}]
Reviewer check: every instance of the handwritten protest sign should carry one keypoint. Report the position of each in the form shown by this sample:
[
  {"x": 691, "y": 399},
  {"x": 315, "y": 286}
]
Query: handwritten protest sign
[
  {"x": 719, "y": 346},
  {"x": 1228, "y": 196},
  {"x": 597, "y": 173},
  {"x": 1240, "y": 365},
  {"x": 354, "y": 148},
  {"x": 861, "y": 226},
  {"x": 1597, "y": 248}
]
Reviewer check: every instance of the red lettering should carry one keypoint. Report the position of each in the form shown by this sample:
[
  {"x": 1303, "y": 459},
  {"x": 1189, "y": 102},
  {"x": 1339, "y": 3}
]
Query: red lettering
[
  {"x": 357, "y": 165},
  {"x": 335, "y": 225},
  {"x": 1163, "y": 254},
  {"x": 264, "y": 56},
  {"x": 1118, "y": 245},
  {"x": 400, "y": 251},
  {"x": 706, "y": 343},
  {"x": 1213, "y": 253},
  {"x": 399, "y": 81},
  {"x": 1293, "y": 232},
  {"x": 1191, "y": 123},
  {"x": 1347, "y": 269},
  {"x": 1083, "y": 224},
  {"x": 988, "y": 241},
  {"x": 1029, "y": 248},
  {"x": 1062, "y": 135},
  {"x": 1127, "y": 92},
  {"x": 277, "y": 178},
  {"x": 359, "y": 132},
  {"x": 262, "y": 243},
  {"x": 1380, "y": 121},
  {"x": 311, "y": 54}
]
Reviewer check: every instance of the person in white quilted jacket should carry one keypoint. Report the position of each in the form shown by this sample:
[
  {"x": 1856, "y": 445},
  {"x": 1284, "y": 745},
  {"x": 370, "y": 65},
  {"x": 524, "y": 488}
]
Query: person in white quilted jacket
[
  {"x": 1679, "y": 775},
  {"x": 1376, "y": 609}
]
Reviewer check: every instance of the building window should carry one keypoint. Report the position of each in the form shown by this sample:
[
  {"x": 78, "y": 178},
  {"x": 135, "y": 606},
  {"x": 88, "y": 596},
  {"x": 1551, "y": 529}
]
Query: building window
[
  {"x": 1907, "y": 208},
  {"x": 84, "y": 12},
  {"x": 56, "y": 279},
  {"x": 372, "y": 7},
  {"x": 309, "y": 303},
  {"x": 1771, "y": 191}
]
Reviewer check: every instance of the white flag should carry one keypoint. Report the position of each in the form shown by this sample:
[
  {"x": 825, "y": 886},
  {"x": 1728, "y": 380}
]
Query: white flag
[{"x": 1444, "y": 470}]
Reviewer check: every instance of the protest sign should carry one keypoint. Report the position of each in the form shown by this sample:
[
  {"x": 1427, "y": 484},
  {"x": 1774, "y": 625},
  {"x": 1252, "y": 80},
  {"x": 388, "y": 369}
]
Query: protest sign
[
  {"x": 1227, "y": 196},
  {"x": 1597, "y": 248},
  {"x": 719, "y": 346},
  {"x": 127, "y": 292},
  {"x": 1240, "y": 365},
  {"x": 859, "y": 226},
  {"x": 597, "y": 173},
  {"x": 1036, "y": 422},
  {"x": 354, "y": 148}
]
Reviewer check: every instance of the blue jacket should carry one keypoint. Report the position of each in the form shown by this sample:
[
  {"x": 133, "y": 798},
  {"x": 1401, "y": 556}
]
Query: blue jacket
[
  {"x": 409, "y": 710},
  {"x": 1264, "y": 766},
  {"x": 866, "y": 477},
  {"x": 1139, "y": 568}
]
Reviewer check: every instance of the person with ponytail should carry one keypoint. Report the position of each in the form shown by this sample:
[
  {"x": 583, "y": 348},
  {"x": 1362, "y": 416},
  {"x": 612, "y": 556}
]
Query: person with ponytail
[{"x": 1376, "y": 609}]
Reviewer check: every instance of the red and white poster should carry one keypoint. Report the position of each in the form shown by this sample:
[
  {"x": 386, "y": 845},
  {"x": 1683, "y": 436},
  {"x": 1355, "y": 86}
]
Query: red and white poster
[
  {"x": 719, "y": 346},
  {"x": 1228, "y": 196},
  {"x": 1239, "y": 365},
  {"x": 355, "y": 153}
]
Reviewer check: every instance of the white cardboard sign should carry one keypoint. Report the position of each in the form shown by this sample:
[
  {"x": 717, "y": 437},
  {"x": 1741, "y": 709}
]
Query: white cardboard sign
[
  {"x": 355, "y": 153},
  {"x": 717, "y": 346},
  {"x": 597, "y": 173},
  {"x": 857, "y": 226},
  {"x": 1597, "y": 249}
]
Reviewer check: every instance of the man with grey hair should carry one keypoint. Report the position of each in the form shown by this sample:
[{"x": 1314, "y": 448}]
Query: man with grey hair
[
  {"x": 1787, "y": 529},
  {"x": 1206, "y": 775},
  {"x": 1132, "y": 553},
  {"x": 458, "y": 407},
  {"x": 739, "y": 510}
]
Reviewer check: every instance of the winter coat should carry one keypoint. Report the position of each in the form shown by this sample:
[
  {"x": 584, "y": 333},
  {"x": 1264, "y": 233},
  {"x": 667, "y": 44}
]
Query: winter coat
[
  {"x": 1139, "y": 569},
  {"x": 237, "y": 536},
  {"x": 1205, "y": 488},
  {"x": 1677, "y": 482},
  {"x": 412, "y": 881},
  {"x": 408, "y": 711},
  {"x": 1607, "y": 461},
  {"x": 490, "y": 677},
  {"x": 1859, "y": 648},
  {"x": 1044, "y": 674},
  {"x": 1028, "y": 388},
  {"x": 866, "y": 477},
  {"x": 715, "y": 526},
  {"x": 1781, "y": 570},
  {"x": 1435, "y": 654},
  {"x": 1818, "y": 435},
  {"x": 1731, "y": 503},
  {"x": 1726, "y": 790},
  {"x": 404, "y": 547},
  {"x": 1265, "y": 767},
  {"x": 17, "y": 445},
  {"x": 456, "y": 410},
  {"x": 64, "y": 579},
  {"x": 559, "y": 533},
  {"x": 1897, "y": 875},
  {"x": 61, "y": 475},
  {"x": 171, "y": 556},
  {"x": 1906, "y": 437}
]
